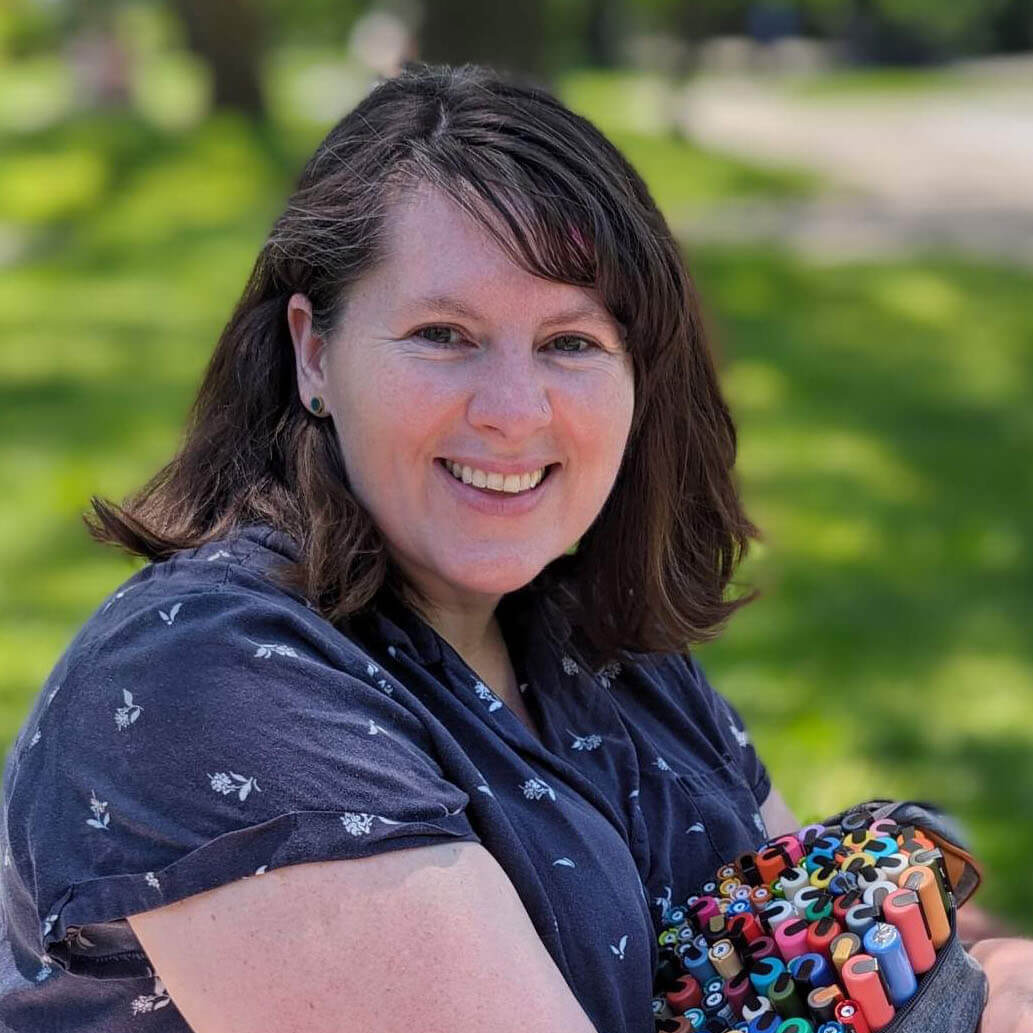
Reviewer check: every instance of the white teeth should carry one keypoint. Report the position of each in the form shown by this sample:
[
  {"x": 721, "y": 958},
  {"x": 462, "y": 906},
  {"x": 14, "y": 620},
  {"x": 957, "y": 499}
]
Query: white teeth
[{"x": 511, "y": 483}]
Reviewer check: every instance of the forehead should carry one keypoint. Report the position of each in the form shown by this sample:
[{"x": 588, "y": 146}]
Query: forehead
[{"x": 433, "y": 248}]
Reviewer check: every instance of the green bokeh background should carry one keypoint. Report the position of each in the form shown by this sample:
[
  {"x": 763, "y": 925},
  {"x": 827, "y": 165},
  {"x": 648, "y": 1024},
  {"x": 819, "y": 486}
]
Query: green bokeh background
[{"x": 885, "y": 411}]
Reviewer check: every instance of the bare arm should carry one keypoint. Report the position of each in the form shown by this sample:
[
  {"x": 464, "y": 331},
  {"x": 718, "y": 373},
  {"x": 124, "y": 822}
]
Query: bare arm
[
  {"x": 778, "y": 818},
  {"x": 432, "y": 938}
]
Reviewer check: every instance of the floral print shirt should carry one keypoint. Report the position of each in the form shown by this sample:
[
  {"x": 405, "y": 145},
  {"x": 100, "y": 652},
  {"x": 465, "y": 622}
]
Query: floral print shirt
[{"x": 206, "y": 725}]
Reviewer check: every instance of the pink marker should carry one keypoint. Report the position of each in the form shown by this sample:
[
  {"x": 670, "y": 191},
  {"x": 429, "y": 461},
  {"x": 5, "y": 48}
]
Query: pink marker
[{"x": 791, "y": 938}]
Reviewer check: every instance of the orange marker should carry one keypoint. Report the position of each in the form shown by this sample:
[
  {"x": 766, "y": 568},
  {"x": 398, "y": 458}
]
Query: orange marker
[{"x": 923, "y": 882}]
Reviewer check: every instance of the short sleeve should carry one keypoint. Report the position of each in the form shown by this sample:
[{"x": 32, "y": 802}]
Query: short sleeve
[
  {"x": 207, "y": 736},
  {"x": 731, "y": 729}
]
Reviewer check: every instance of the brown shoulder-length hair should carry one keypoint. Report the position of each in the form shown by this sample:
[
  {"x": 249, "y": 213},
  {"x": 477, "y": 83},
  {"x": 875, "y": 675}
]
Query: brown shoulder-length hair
[{"x": 651, "y": 572}]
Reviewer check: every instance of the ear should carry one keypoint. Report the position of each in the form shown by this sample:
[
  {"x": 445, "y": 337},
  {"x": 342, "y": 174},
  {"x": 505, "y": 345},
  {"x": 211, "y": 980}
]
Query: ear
[{"x": 310, "y": 350}]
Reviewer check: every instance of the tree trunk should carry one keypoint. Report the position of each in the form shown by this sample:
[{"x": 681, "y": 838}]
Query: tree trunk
[
  {"x": 602, "y": 33},
  {"x": 227, "y": 34},
  {"x": 507, "y": 36}
]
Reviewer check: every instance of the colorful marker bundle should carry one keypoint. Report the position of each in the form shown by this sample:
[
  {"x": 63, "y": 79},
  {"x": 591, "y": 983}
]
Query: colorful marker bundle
[{"x": 827, "y": 930}]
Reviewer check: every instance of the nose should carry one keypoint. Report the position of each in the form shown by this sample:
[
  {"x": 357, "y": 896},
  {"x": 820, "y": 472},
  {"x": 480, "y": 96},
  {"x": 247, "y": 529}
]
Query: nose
[{"x": 510, "y": 394}]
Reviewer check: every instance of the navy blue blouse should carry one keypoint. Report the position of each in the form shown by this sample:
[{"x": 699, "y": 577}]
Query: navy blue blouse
[{"x": 206, "y": 725}]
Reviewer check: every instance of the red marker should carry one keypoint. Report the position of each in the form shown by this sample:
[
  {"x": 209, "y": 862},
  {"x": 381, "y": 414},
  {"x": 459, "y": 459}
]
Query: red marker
[
  {"x": 850, "y": 1017},
  {"x": 862, "y": 982},
  {"x": 745, "y": 928},
  {"x": 902, "y": 910},
  {"x": 738, "y": 989},
  {"x": 687, "y": 994},
  {"x": 820, "y": 935},
  {"x": 761, "y": 948}
]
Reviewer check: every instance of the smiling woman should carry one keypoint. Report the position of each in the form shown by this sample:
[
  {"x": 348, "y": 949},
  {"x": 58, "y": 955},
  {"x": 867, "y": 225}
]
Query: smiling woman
[
  {"x": 489, "y": 392},
  {"x": 411, "y": 648}
]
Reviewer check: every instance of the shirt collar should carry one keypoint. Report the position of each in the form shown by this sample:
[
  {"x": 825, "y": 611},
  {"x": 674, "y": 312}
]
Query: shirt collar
[{"x": 523, "y": 615}]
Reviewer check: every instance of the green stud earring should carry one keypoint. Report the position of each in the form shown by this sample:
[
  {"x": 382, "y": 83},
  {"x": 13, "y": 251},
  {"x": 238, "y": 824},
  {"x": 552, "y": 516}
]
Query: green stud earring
[{"x": 317, "y": 406}]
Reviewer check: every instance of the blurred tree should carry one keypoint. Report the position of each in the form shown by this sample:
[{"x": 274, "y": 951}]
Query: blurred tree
[
  {"x": 602, "y": 32},
  {"x": 910, "y": 31},
  {"x": 508, "y": 36},
  {"x": 228, "y": 35},
  {"x": 1012, "y": 27}
]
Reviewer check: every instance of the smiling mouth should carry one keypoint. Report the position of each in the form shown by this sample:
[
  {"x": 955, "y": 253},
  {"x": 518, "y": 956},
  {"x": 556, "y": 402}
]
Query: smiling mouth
[{"x": 471, "y": 480}]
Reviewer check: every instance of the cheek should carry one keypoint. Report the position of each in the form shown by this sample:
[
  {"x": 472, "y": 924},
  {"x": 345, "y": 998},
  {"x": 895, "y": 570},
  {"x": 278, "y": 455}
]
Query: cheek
[
  {"x": 600, "y": 417},
  {"x": 389, "y": 413}
]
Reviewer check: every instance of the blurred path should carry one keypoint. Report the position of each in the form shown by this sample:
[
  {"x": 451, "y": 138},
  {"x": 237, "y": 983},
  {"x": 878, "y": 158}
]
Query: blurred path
[{"x": 932, "y": 170}]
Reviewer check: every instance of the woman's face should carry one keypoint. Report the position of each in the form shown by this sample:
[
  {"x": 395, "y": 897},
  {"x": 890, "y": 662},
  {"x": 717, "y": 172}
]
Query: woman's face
[{"x": 449, "y": 351}]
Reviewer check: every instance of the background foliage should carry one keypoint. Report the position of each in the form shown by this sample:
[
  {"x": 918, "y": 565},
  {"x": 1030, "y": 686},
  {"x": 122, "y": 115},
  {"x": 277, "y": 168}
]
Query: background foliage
[{"x": 883, "y": 405}]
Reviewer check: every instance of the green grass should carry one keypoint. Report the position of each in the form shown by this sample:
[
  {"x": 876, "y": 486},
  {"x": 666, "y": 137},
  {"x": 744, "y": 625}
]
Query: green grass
[{"x": 885, "y": 443}]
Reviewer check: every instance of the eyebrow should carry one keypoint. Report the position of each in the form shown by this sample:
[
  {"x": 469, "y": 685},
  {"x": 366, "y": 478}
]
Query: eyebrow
[{"x": 584, "y": 311}]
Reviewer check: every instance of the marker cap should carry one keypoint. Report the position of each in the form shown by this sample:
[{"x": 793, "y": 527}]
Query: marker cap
[{"x": 922, "y": 880}]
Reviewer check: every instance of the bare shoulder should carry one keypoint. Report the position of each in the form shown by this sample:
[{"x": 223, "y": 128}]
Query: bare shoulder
[{"x": 431, "y": 937}]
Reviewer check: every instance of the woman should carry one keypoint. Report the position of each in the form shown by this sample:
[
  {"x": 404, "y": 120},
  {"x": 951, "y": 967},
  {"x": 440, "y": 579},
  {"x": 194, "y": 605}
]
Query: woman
[{"x": 398, "y": 729}]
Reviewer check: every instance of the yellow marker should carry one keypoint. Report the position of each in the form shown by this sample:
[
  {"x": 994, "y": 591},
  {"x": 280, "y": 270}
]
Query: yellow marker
[
  {"x": 855, "y": 862},
  {"x": 728, "y": 887}
]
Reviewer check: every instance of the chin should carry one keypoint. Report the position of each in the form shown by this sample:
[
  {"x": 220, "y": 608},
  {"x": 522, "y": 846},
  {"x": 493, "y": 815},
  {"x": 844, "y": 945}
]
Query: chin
[{"x": 495, "y": 578}]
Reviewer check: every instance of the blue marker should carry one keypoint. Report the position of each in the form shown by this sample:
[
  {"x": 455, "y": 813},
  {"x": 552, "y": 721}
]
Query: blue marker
[
  {"x": 883, "y": 943},
  {"x": 766, "y": 1023},
  {"x": 882, "y": 847},
  {"x": 764, "y": 974},
  {"x": 812, "y": 970},
  {"x": 739, "y": 907},
  {"x": 696, "y": 962},
  {"x": 829, "y": 1027},
  {"x": 843, "y": 882},
  {"x": 695, "y": 1017}
]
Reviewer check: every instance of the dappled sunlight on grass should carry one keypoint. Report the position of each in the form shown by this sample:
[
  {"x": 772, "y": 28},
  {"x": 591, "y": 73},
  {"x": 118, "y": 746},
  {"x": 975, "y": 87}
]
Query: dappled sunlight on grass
[{"x": 887, "y": 460}]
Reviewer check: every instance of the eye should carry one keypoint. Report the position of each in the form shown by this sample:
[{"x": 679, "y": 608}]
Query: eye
[
  {"x": 575, "y": 338},
  {"x": 445, "y": 336}
]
